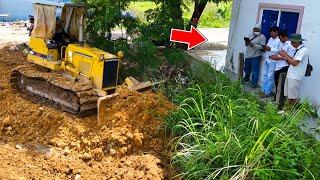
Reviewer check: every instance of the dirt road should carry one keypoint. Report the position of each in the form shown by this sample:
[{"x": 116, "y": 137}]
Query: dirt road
[
  {"x": 40, "y": 142},
  {"x": 13, "y": 35}
]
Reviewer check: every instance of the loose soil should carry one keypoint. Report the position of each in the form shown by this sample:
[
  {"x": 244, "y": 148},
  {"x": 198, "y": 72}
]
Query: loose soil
[{"x": 40, "y": 142}]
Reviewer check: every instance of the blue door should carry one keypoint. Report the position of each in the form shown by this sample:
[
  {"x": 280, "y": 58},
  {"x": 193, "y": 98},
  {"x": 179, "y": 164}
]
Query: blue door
[
  {"x": 289, "y": 22},
  {"x": 269, "y": 19}
]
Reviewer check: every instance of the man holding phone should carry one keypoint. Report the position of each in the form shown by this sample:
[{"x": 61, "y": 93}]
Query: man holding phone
[
  {"x": 254, "y": 43},
  {"x": 272, "y": 48},
  {"x": 298, "y": 64}
]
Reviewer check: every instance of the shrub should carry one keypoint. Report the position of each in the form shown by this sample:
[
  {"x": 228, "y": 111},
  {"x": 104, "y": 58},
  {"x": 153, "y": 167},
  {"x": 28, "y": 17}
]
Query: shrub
[
  {"x": 141, "y": 60},
  {"x": 176, "y": 57}
]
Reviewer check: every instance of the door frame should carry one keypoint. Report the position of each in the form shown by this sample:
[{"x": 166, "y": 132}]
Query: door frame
[{"x": 281, "y": 7}]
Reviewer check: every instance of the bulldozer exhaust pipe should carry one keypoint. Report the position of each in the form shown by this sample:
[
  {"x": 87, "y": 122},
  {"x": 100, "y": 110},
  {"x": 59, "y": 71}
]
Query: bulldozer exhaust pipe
[{"x": 81, "y": 31}]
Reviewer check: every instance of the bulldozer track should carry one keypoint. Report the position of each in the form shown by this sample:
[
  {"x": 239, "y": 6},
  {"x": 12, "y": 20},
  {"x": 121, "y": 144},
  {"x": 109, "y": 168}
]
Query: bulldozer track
[{"x": 50, "y": 87}]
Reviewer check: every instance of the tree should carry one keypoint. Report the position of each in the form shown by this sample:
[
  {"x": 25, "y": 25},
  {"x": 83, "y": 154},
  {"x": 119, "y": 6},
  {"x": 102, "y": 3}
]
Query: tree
[
  {"x": 162, "y": 19},
  {"x": 199, "y": 6},
  {"x": 103, "y": 15}
]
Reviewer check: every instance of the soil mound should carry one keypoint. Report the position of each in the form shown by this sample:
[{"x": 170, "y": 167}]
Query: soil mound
[{"x": 38, "y": 141}]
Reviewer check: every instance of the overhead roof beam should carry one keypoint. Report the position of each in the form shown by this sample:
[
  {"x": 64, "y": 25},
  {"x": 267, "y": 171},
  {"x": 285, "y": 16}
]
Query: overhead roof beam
[{"x": 49, "y": 3}]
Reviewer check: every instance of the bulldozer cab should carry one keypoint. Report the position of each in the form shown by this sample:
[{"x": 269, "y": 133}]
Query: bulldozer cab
[
  {"x": 57, "y": 43},
  {"x": 49, "y": 26}
]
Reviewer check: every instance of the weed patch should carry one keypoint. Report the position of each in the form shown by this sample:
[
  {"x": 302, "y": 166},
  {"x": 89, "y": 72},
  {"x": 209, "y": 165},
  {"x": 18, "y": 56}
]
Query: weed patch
[{"x": 222, "y": 132}]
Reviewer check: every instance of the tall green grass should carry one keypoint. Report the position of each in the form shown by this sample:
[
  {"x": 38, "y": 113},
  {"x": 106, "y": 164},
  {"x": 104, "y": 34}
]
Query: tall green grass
[{"x": 225, "y": 133}]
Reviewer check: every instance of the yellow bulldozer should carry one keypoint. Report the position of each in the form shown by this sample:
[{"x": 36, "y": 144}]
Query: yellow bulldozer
[{"x": 64, "y": 70}]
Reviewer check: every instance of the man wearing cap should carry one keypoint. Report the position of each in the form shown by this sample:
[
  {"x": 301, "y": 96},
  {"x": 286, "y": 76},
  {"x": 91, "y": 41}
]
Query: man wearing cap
[
  {"x": 254, "y": 45},
  {"x": 272, "y": 48},
  {"x": 297, "y": 69}
]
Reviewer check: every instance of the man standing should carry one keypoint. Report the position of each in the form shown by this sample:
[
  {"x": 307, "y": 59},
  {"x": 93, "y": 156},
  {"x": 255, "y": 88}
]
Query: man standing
[
  {"x": 297, "y": 69},
  {"x": 271, "y": 49},
  {"x": 30, "y": 28},
  {"x": 281, "y": 64},
  {"x": 254, "y": 45}
]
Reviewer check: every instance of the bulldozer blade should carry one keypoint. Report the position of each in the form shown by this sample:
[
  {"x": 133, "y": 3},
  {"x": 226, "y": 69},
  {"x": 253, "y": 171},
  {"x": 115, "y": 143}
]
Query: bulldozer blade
[{"x": 102, "y": 104}]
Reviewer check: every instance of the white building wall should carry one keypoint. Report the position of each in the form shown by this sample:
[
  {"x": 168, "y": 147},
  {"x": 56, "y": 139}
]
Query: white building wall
[{"x": 310, "y": 30}]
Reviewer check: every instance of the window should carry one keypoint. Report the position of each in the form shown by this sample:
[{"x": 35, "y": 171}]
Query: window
[{"x": 286, "y": 17}]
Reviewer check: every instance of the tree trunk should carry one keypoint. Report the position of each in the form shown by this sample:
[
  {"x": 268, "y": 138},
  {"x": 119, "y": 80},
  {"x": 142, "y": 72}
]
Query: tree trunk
[{"x": 199, "y": 7}]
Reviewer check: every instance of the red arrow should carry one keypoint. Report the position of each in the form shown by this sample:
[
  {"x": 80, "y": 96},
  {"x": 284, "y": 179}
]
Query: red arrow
[{"x": 193, "y": 38}]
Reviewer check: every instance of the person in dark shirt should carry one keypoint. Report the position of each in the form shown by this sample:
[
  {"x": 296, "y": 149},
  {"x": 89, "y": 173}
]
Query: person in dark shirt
[{"x": 30, "y": 28}]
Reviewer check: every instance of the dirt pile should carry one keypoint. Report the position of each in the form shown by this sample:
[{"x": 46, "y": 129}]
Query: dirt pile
[{"x": 37, "y": 141}]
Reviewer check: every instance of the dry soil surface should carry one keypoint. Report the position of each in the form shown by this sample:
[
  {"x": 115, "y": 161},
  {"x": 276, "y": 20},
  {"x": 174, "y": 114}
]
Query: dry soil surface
[
  {"x": 40, "y": 142},
  {"x": 13, "y": 34}
]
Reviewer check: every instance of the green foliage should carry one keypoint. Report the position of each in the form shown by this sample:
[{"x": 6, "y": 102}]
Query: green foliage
[
  {"x": 166, "y": 15},
  {"x": 176, "y": 57},
  {"x": 216, "y": 15},
  {"x": 202, "y": 72},
  {"x": 146, "y": 54},
  {"x": 140, "y": 7},
  {"x": 141, "y": 60},
  {"x": 104, "y": 15}
]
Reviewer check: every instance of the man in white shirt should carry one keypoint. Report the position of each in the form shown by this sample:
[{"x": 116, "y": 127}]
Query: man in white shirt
[
  {"x": 297, "y": 69},
  {"x": 282, "y": 65},
  {"x": 272, "y": 48}
]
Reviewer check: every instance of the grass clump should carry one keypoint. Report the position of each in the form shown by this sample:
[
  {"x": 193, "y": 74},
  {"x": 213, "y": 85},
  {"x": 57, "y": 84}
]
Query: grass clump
[{"x": 225, "y": 133}]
